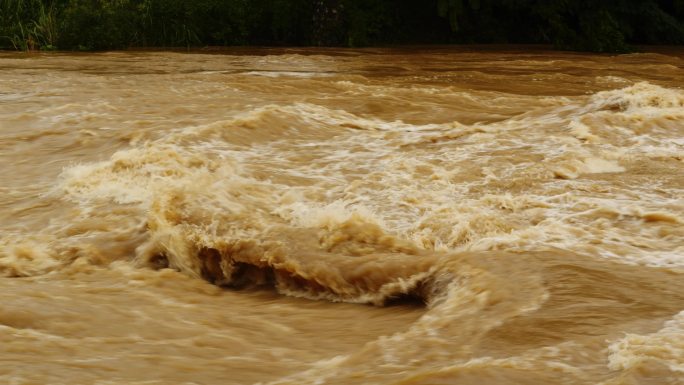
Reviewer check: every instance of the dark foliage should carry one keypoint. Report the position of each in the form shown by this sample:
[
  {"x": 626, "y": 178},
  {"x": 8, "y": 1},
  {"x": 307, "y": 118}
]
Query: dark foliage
[{"x": 592, "y": 25}]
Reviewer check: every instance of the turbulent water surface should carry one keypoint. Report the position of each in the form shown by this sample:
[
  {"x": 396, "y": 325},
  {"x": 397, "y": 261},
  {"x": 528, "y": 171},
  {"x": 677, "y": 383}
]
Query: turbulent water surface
[{"x": 342, "y": 217}]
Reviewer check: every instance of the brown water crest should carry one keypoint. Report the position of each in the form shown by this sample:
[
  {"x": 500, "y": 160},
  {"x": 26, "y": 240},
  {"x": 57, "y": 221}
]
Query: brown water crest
[{"x": 414, "y": 216}]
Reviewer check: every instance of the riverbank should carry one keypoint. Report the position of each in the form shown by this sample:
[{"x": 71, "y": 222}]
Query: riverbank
[
  {"x": 105, "y": 25},
  {"x": 669, "y": 50}
]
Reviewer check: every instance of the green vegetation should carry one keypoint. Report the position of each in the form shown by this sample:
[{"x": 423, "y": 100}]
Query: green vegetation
[{"x": 593, "y": 25}]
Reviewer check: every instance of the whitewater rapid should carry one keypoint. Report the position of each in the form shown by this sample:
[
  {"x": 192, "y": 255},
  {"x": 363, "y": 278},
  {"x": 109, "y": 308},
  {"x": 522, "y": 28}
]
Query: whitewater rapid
[{"x": 515, "y": 217}]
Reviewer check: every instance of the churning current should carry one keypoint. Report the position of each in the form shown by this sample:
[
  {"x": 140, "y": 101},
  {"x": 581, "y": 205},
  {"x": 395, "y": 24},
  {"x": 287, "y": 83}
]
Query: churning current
[{"x": 321, "y": 216}]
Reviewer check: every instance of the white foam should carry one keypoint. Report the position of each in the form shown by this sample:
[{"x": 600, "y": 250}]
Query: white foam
[{"x": 665, "y": 346}]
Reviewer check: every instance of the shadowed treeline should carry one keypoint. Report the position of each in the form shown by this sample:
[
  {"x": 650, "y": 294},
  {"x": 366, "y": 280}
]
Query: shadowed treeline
[{"x": 602, "y": 26}]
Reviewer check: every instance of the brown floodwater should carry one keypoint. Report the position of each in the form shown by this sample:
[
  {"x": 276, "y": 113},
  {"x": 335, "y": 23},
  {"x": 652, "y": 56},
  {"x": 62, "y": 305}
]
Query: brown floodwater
[{"x": 321, "y": 216}]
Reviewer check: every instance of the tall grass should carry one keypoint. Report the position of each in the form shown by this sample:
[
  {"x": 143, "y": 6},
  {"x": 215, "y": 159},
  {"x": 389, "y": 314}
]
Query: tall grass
[
  {"x": 28, "y": 24},
  {"x": 45, "y": 28}
]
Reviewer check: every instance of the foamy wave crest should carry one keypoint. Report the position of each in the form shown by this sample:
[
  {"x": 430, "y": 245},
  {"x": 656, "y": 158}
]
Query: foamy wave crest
[
  {"x": 640, "y": 96},
  {"x": 665, "y": 346},
  {"x": 353, "y": 261}
]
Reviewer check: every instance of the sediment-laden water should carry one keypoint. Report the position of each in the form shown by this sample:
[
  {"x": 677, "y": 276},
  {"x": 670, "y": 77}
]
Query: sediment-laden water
[{"x": 342, "y": 217}]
